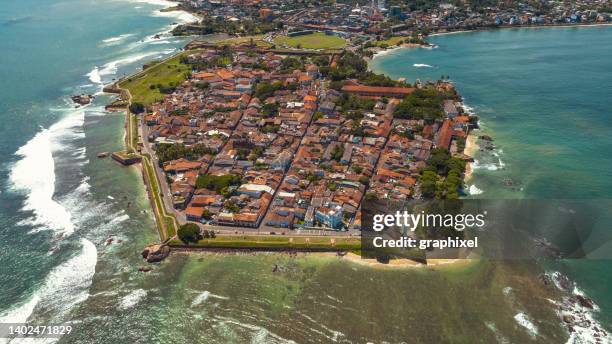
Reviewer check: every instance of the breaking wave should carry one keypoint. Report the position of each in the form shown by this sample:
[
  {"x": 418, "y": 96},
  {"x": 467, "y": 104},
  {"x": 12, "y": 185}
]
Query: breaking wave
[
  {"x": 65, "y": 286},
  {"x": 421, "y": 65},
  {"x": 205, "y": 295},
  {"x": 34, "y": 175},
  {"x": 117, "y": 39},
  {"x": 132, "y": 299},
  {"x": 473, "y": 190},
  {"x": 94, "y": 76},
  {"x": 524, "y": 320}
]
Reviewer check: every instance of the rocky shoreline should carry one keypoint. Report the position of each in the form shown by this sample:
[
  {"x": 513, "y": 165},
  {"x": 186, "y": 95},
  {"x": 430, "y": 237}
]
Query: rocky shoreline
[{"x": 576, "y": 311}]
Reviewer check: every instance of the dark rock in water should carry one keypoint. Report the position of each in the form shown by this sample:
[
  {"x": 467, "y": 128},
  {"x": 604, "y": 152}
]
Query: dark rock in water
[
  {"x": 485, "y": 138},
  {"x": 563, "y": 281},
  {"x": 568, "y": 319},
  {"x": 155, "y": 253},
  {"x": 157, "y": 36},
  {"x": 102, "y": 154},
  {"x": 275, "y": 269},
  {"x": 82, "y": 99},
  {"x": 584, "y": 301},
  {"x": 109, "y": 241}
]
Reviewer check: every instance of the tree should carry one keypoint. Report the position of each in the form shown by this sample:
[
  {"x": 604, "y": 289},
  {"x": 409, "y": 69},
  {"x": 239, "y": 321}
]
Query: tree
[
  {"x": 137, "y": 108},
  {"x": 189, "y": 232},
  {"x": 371, "y": 196},
  {"x": 428, "y": 183},
  {"x": 231, "y": 206},
  {"x": 217, "y": 183},
  {"x": 337, "y": 152},
  {"x": 422, "y": 104}
]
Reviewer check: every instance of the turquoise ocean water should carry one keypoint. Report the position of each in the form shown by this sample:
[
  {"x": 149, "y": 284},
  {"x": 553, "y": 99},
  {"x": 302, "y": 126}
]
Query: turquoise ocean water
[
  {"x": 60, "y": 205},
  {"x": 544, "y": 96}
]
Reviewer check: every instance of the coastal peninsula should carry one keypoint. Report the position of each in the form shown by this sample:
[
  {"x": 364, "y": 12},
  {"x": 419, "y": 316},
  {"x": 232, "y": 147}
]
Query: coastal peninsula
[{"x": 273, "y": 138}]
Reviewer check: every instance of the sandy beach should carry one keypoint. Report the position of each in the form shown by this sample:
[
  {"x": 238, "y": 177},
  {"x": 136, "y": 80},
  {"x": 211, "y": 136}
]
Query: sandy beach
[{"x": 398, "y": 263}]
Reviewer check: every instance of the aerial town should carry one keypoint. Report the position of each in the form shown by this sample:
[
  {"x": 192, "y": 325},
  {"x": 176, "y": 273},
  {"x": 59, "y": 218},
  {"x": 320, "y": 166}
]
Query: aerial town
[
  {"x": 276, "y": 122},
  {"x": 386, "y": 17},
  {"x": 265, "y": 139}
]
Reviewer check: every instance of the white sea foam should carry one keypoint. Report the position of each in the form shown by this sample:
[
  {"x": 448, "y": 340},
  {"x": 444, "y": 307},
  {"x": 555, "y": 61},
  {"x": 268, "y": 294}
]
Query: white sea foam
[
  {"x": 507, "y": 291},
  {"x": 421, "y": 65},
  {"x": 94, "y": 76},
  {"x": 117, "y": 39},
  {"x": 84, "y": 187},
  {"x": 524, "y": 320},
  {"x": 21, "y": 313},
  {"x": 132, "y": 299},
  {"x": 205, "y": 295},
  {"x": 385, "y": 52},
  {"x": 112, "y": 67},
  {"x": 64, "y": 287},
  {"x": 473, "y": 190},
  {"x": 34, "y": 175},
  {"x": 491, "y": 166},
  {"x": 180, "y": 17},
  {"x": 585, "y": 328},
  {"x": 117, "y": 220},
  {"x": 160, "y": 41}
]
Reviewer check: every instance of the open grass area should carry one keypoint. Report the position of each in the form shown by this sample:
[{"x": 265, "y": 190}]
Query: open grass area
[
  {"x": 256, "y": 39},
  {"x": 391, "y": 41},
  {"x": 317, "y": 40},
  {"x": 278, "y": 242},
  {"x": 167, "y": 223},
  {"x": 144, "y": 85}
]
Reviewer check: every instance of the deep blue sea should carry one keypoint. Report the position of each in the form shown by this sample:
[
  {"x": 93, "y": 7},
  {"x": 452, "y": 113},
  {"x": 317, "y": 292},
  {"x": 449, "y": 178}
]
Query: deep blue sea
[{"x": 72, "y": 225}]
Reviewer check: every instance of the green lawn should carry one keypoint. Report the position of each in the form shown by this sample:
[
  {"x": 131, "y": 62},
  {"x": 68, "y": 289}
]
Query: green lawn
[
  {"x": 391, "y": 41},
  {"x": 317, "y": 40},
  {"x": 278, "y": 242},
  {"x": 257, "y": 39},
  {"x": 168, "y": 221},
  {"x": 169, "y": 73}
]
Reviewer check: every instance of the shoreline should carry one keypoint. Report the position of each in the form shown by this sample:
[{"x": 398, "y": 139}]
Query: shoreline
[
  {"x": 384, "y": 51},
  {"x": 349, "y": 257},
  {"x": 402, "y": 263},
  {"x": 520, "y": 27},
  {"x": 471, "y": 147}
]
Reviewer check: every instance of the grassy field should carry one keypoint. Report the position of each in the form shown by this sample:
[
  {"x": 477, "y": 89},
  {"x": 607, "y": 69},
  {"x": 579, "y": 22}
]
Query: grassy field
[
  {"x": 391, "y": 41},
  {"x": 257, "y": 39},
  {"x": 316, "y": 40},
  {"x": 278, "y": 242},
  {"x": 142, "y": 86},
  {"x": 167, "y": 223}
]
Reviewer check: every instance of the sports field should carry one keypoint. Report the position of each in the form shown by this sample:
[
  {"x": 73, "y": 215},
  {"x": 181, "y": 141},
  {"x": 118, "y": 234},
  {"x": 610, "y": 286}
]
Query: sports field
[{"x": 317, "y": 40}]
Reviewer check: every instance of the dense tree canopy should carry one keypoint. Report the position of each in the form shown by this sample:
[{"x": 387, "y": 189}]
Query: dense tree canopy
[
  {"x": 217, "y": 183},
  {"x": 166, "y": 152},
  {"x": 189, "y": 233}
]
